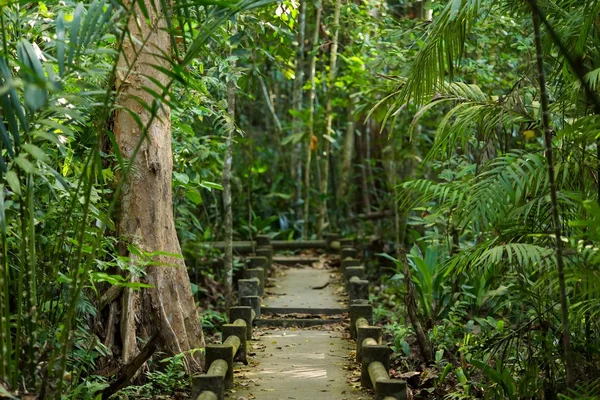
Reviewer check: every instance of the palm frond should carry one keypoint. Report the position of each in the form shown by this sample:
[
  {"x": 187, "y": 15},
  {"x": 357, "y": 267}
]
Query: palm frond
[{"x": 443, "y": 48}]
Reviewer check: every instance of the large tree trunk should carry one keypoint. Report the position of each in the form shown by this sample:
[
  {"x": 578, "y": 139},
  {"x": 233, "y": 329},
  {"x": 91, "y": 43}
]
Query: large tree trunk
[{"x": 146, "y": 214}]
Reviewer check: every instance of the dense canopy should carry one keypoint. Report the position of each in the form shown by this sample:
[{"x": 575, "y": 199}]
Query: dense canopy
[{"x": 458, "y": 141}]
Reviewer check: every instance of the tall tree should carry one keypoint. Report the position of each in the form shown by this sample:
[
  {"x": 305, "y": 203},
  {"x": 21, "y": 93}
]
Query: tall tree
[
  {"x": 226, "y": 181},
  {"x": 348, "y": 150},
  {"x": 553, "y": 197},
  {"x": 312, "y": 139},
  {"x": 325, "y": 143},
  {"x": 146, "y": 214},
  {"x": 297, "y": 100}
]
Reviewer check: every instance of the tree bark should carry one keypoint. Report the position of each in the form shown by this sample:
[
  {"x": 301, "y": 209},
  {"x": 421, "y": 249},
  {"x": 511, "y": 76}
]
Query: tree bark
[
  {"x": 312, "y": 139},
  {"x": 146, "y": 214},
  {"x": 325, "y": 144}
]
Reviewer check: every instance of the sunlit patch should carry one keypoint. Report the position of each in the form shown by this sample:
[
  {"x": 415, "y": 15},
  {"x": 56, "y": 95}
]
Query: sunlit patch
[{"x": 299, "y": 372}]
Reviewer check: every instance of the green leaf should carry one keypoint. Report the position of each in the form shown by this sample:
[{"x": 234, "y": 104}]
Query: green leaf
[
  {"x": 460, "y": 375},
  {"x": 193, "y": 196},
  {"x": 388, "y": 257},
  {"x": 4, "y": 392},
  {"x": 13, "y": 182},
  {"x": 439, "y": 355},
  {"x": 34, "y": 93},
  {"x": 181, "y": 178},
  {"x": 211, "y": 185},
  {"x": 285, "y": 196},
  {"x": 36, "y": 152},
  {"x": 75, "y": 32},
  {"x": 6, "y": 140},
  {"x": 25, "y": 164},
  {"x": 293, "y": 139},
  {"x": 405, "y": 347},
  {"x": 11, "y": 104}
]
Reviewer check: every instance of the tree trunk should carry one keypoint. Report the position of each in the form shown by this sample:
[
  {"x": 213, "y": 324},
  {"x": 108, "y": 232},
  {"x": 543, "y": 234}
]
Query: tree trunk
[
  {"x": 410, "y": 301},
  {"x": 555, "y": 217},
  {"x": 226, "y": 182},
  {"x": 297, "y": 103},
  {"x": 325, "y": 144},
  {"x": 312, "y": 139},
  {"x": 364, "y": 181},
  {"x": 348, "y": 152},
  {"x": 411, "y": 298},
  {"x": 146, "y": 214}
]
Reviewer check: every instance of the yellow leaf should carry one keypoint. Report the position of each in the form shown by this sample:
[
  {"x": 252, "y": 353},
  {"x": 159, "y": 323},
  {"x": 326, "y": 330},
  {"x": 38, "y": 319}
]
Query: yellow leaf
[{"x": 529, "y": 134}]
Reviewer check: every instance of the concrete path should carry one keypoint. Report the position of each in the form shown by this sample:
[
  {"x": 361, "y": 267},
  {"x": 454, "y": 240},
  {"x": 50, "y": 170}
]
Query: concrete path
[
  {"x": 301, "y": 364},
  {"x": 295, "y": 289}
]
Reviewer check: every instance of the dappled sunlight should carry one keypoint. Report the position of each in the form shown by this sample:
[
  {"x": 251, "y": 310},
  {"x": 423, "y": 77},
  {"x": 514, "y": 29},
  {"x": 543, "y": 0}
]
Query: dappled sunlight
[{"x": 298, "y": 372}]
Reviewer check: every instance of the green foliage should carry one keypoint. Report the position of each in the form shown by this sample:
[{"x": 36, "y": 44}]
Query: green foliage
[
  {"x": 60, "y": 178},
  {"x": 470, "y": 98}
]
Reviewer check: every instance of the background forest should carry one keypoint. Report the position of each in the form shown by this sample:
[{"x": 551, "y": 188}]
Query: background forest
[{"x": 457, "y": 139}]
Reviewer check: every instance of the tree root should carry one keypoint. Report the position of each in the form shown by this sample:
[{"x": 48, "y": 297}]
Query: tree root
[{"x": 128, "y": 371}]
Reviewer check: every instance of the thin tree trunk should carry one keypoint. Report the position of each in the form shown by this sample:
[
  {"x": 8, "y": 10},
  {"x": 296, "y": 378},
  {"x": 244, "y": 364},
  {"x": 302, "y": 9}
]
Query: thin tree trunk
[
  {"x": 578, "y": 69},
  {"x": 371, "y": 127},
  {"x": 270, "y": 106},
  {"x": 348, "y": 151},
  {"x": 297, "y": 101},
  {"x": 326, "y": 144},
  {"x": 410, "y": 299},
  {"x": 312, "y": 139},
  {"x": 364, "y": 180},
  {"x": 553, "y": 198},
  {"x": 226, "y": 182},
  {"x": 146, "y": 214}
]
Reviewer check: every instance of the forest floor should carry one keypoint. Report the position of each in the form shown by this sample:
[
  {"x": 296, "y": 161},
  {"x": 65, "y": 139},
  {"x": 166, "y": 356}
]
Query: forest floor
[{"x": 302, "y": 363}]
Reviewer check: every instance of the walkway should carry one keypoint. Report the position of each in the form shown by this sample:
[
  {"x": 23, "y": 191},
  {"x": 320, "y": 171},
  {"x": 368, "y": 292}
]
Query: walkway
[{"x": 301, "y": 363}]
